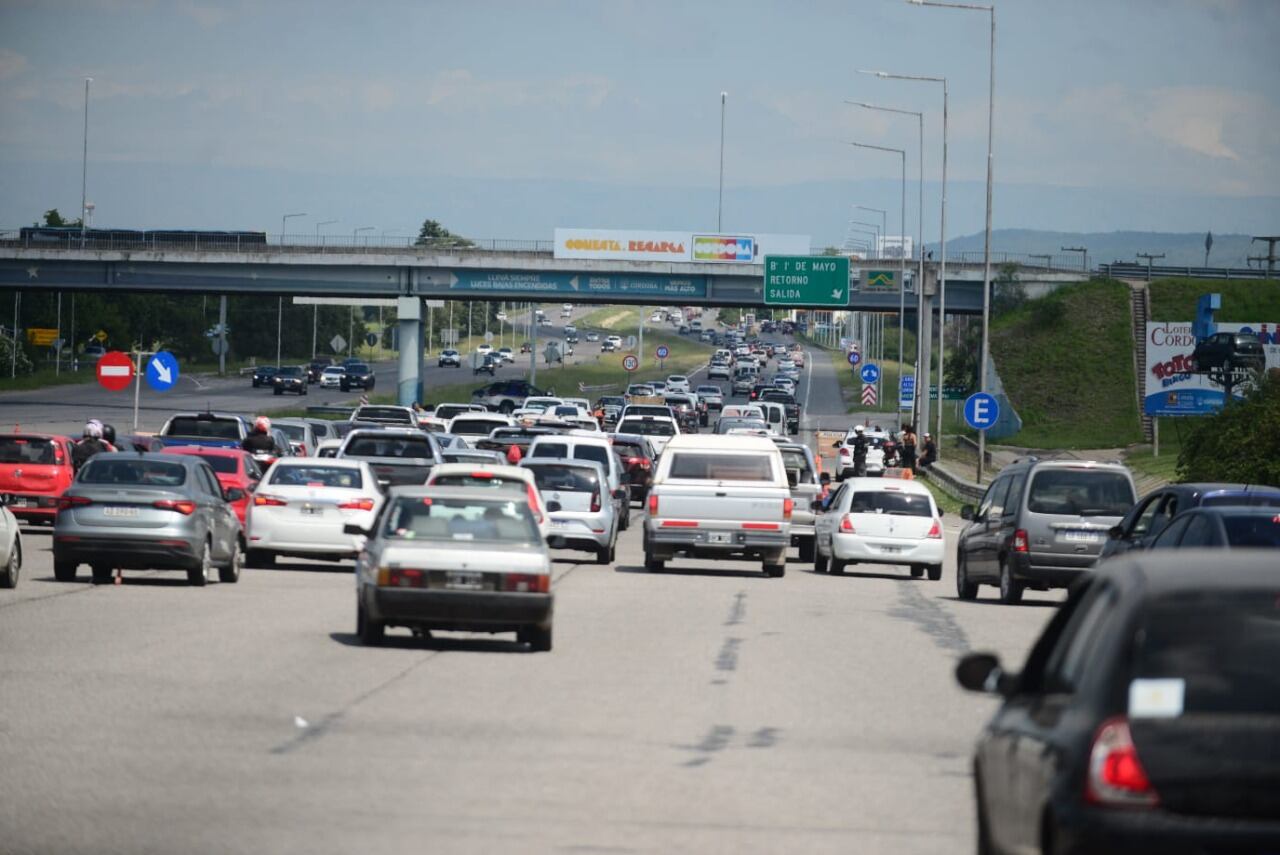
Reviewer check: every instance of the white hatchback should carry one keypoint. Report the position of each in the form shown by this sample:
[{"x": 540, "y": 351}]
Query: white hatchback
[
  {"x": 301, "y": 505},
  {"x": 331, "y": 377},
  {"x": 880, "y": 521}
]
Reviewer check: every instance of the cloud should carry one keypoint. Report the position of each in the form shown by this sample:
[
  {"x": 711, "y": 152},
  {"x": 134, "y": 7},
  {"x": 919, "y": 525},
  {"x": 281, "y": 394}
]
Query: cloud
[{"x": 12, "y": 63}]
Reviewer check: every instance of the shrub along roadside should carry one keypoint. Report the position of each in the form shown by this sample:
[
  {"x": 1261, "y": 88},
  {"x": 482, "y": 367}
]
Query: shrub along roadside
[{"x": 1239, "y": 444}]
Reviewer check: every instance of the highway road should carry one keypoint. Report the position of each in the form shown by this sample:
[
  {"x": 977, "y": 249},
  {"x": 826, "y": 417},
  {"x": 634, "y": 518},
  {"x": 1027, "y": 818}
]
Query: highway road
[{"x": 702, "y": 709}]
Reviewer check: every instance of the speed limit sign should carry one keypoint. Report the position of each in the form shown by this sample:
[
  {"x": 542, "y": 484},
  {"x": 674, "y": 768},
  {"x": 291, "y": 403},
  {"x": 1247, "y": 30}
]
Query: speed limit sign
[{"x": 630, "y": 363}]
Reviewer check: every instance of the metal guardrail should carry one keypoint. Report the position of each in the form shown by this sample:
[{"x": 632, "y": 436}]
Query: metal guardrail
[
  {"x": 1129, "y": 270},
  {"x": 1066, "y": 263},
  {"x": 966, "y": 491}
]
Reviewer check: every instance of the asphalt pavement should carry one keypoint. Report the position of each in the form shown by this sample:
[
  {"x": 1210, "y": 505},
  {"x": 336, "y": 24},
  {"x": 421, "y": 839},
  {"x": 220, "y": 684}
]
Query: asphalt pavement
[{"x": 702, "y": 709}]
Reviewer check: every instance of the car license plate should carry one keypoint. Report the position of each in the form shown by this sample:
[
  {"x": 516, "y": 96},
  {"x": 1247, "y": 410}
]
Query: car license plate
[
  {"x": 312, "y": 510},
  {"x": 1081, "y": 536},
  {"x": 17, "y": 501},
  {"x": 461, "y": 581},
  {"x": 719, "y": 537},
  {"x": 890, "y": 550},
  {"x": 119, "y": 511}
]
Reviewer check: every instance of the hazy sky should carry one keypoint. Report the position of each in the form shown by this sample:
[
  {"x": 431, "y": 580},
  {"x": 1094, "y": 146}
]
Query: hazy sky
[{"x": 272, "y": 99}]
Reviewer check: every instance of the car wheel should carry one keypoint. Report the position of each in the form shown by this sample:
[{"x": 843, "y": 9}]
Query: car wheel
[
  {"x": 304, "y": 391},
  {"x": 775, "y": 571},
  {"x": 260, "y": 558},
  {"x": 917, "y": 570},
  {"x": 603, "y": 554},
  {"x": 277, "y": 391},
  {"x": 539, "y": 638},
  {"x": 9, "y": 579},
  {"x": 653, "y": 564},
  {"x": 198, "y": 575},
  {"x": 370, "y": 632},
  {"x": 101, "y": 574},
  {"x": 1010, "y": 588},
  {"x": 64, "y": 571},
  {"x": 965, "y": 589},
  {"x": 935, "y": 572},
  {"x": 836, "y": 567},
  {"x": 819, "y": 560},
  {"x": 231, "y": 573},
  {"x": 344, "y": 387},
  {"x": 625, "y": 522},
  {"x": 805, "y": 549},
  {"x": 506, "y": 407}
]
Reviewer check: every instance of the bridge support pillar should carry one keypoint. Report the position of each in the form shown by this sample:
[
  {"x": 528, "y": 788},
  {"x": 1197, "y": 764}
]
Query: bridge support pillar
[{"x": 409, "y": 389}]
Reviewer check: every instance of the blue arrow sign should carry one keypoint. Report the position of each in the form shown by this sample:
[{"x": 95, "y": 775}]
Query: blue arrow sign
[
  {"x": 870, "y": 373},
  {"x": 854, "y": 357},
  {"x": 662, "y": 351},
  {"x": 162, "y": 371},
  {"x": 981, "y": 410}
]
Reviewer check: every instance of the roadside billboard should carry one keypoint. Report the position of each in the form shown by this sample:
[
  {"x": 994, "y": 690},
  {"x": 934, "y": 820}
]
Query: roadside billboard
[
  {"x": 643, "y": 245},
  {"x": 1169, "y": 387}
]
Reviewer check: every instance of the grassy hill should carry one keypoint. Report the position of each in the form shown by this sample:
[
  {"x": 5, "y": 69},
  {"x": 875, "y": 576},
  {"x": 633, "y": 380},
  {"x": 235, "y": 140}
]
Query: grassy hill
[{"x": 1242, "y": 301}]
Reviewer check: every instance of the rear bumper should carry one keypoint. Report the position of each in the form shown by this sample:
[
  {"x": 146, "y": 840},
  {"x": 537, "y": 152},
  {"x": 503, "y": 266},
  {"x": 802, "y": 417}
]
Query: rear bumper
[
  {"x": 474, "y": 611},
  {"x": 1158, "y": 832},
  {"x": 851, "y": 547},
  {"x": 131, "y": 553},
  {"x": 1038, "y": 570},
  {"x": 578, "y": 532},
  {"x": 37, "y": 508},
  {"x": 733, "y": 539}
]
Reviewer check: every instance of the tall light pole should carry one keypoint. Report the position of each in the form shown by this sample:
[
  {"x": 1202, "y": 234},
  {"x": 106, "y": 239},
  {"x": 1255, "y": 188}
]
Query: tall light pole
[
  {"x": 919, "y": 405},
  {"x": 355, "y": 233},
  {"x": 315, "y": 309},
  {"x": 942, "y": 267},
  {"x": 1084, "y": 255},
  {"x": 902, "y": 256},
  {"x": 84, "y": 164},
  {"x": 986, "y": 243},
  {"x": 323, "y": 223},
  {"x": 724, "y": 97},
  {"x": 280, "y": 300},
  {"x": 876, "y": 230},
  {"x": 884, "y": 228}
]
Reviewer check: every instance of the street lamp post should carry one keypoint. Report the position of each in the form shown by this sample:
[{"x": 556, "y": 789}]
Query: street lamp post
[
  {"x": 84, "y": 164},
  {"x": 315, "y": 309},
  {"x": 724, "y": 97},
  {"x": 355, "y": 234},
  {"x": 1084, "y": 255},
  {"x": 884, "y": 228},
  {"x": 280, "y": 299},
  {"x": 986, "y": 243},
  {"x": 942, "y": 267},
  {"x": 878, "y": 232},
  {"x": 902, "y": 256}
]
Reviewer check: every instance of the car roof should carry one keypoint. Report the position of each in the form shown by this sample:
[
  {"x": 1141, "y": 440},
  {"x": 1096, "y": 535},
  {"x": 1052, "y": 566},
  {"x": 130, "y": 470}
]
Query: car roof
[
  {"x": 889, "y": 485},
  {"x": 1168, "y": 571},
  {"x": 571, "y": 462},
  {"x": 418, "y": 491},
  {"x": 345, "y": 462},
  {"x": 467, "y": 468}
]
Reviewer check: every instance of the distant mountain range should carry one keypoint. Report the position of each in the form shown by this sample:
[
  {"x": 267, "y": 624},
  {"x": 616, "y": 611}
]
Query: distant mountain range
[{"x": 1179, "y": 248}]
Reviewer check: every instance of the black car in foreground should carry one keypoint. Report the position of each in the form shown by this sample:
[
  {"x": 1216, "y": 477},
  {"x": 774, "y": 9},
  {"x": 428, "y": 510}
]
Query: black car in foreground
[
  {"x": 290, "y": 378},
  {"x": 359, "y": 376},
  {"x": 1146, "y": 718}
]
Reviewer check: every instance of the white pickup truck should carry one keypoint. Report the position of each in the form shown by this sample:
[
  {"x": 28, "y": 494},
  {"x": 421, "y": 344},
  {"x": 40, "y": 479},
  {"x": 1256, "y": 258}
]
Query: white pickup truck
[{"x": 719, "y": 497}]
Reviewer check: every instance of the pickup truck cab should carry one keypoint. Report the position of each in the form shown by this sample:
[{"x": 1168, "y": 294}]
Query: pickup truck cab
[
  {"x": 719, "y": 497},
  {"x": 216, "y": 430},
  {"x": 398, "y": 456}
]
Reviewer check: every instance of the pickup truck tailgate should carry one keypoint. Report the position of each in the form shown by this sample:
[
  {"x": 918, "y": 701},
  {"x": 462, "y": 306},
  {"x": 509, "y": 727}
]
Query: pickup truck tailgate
[{"x": 729, "y": 504}]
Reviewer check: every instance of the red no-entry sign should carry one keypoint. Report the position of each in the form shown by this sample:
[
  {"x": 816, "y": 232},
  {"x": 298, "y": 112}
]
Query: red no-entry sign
[{"x": 115, "y": 370}]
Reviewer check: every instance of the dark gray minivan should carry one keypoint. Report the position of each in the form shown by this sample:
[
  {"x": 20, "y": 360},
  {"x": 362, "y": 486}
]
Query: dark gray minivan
[{"x": 1040, "y": 524}]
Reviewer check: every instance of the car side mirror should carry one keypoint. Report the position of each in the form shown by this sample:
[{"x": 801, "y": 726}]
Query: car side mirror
[
  {"x": 966, "y": 512},
  {"x": 553, "y": 506},
  {"x": 355, "y": 528},
  {"x": 235, "y": 494},
  {"x": 620, "y": 493},
  {"x": 836, "y": 444},
  {"x": 1115, "y": 532},
  {"x": 981, "y": 672}
]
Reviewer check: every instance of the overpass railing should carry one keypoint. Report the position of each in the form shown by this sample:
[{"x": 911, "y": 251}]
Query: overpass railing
[{"x": 1130, "y": 270}]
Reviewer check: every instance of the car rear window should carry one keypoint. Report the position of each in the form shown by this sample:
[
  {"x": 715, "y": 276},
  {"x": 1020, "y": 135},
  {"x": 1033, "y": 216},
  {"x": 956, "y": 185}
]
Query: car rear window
[
  {"x": 23, "y": 449},
  {"x": 469, "y": 479},
  {"x": 1222, "y": 646},
  {"x": 592, "y": 452},
  {"x": 549, "y": 449},
  {"x": 1248, "y": 530},
  {"x": 297, "y": 432},
  {"x": 1080, "y": 492},
  {"x": 1252, "y": 500},
  {"x": 461, "y": 520},
  {"x": 155, "y": 473},
  {"x": 474, "y": 427},
  {"x": 385, "y": 414},
  {"x": 702, "y": 466},
  {"x": 565, "y": 479},
  {"x": 318, "y": 476},
  {"x": 389, "y": 446},
  {"x": 886, "y": 502},
  {"x": 205, "y": 428},
  {"x": 221, "y": 464},
  {"x": 647, "y": 428},
  {"x": 794, "y": 459},
  {"x": 448, "y": 411}
]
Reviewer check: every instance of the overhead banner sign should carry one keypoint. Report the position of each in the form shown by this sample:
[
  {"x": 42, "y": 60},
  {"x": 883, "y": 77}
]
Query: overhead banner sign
[
  {"x": 551, "y": 282},
  {"x": 1169, "y": 387},
  {"x": 641, "y": 245}
]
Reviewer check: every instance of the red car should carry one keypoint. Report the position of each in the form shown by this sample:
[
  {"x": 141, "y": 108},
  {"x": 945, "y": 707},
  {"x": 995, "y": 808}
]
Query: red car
[
  {"x": 34, "y": 470},
  {"x": 234, "y": 468}
]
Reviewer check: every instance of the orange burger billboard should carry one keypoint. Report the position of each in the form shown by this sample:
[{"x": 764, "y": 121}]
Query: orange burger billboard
[{"x": 641, "y": 245}]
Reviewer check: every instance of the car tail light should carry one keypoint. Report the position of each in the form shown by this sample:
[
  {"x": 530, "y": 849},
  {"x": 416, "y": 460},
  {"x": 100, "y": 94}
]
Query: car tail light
[
  {"x": 402, "y": 577},
  {"x": 935, "y": 530},
  {"x": 533, "y": 502},
  {"x": 846, "y": 524},
  {"x": 527, "y": 583},
  {"x": 261, "y": 499},
  {"x": 595, "y": 501},
  {"x": 180, "y": 505},
  {"x": 481, "y": 475},
  {"x": 1020, "y": 542},
  {"x": 1116, "y": 777},
  {"x": 788, "y": 505},
  {"x": 58, "y": 457},
  {"x": 653, "y": 505},
  {"x": 357, "y": 505},
  {"x": 65, "y": 502}
]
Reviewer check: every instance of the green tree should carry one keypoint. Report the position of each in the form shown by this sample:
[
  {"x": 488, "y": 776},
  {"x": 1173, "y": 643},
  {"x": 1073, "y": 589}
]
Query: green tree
[
  {"x": 53, "y": 218},
  {"x": 434, "y": 234},
  {"x": 1007, "y": 292},
  {"x": 1240, "y": 444}
]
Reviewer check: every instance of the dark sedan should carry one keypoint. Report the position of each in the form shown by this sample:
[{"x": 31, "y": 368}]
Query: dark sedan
[
  {"x": 262, "y": 375},
  {"x": 315, "y": 369},
  {"x": 1228, "y": 350},
  {"x": 1223, "y": 527},
  {"x": 1155, "y": 511},
  {"x": 1146, "y": 717},
  {"x": 358, "y": 376},
  {"x": 638, "y": 458},
  {"x": 291, "y": 378}
]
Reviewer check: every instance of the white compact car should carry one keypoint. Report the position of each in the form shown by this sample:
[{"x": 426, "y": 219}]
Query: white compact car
[
  {"x": 880, "y": 521},
  {"x": 493, "y": 476},
  {"x": 301, "y": 505},
  {"x": 331, "y": 377}
]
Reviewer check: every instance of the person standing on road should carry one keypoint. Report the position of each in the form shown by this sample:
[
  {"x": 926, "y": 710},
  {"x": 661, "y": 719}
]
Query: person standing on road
[
  {"x": 90, "y": 444},
  {"x": 260, "y": 441},
  {"x": 908, "y": 452},
  {"x": 929, "y": 451}
]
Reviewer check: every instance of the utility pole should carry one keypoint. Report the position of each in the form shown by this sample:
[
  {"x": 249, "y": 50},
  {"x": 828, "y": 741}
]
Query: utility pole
[
  {"x": 1270, "y": 257},
  {"x": 1084, "y": 255},
  {"x": 1149, "y": 257}
]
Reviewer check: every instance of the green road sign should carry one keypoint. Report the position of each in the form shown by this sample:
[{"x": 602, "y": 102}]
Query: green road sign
[
  {"x": 806, "y": 280},
  {"x": 879, "y": 281},
  {"x": 951, "y": 393}
]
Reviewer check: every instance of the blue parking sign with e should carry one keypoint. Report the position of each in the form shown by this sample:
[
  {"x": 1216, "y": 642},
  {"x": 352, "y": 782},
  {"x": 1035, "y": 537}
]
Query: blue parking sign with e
[
  {"x": 981, "y": 410},
  {"x": 854, "y": 357},
  {"x": 870, "y": 373}
]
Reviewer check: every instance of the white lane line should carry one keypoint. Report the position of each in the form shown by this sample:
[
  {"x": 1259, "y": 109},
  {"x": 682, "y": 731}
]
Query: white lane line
[{"x": 808, "y": 387}]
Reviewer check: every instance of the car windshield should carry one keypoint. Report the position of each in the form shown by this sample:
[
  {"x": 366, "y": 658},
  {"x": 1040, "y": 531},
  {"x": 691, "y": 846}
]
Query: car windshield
[
  {"x": 1080, "y": 492},
  {"x": 888, "y": 502},
  {"x": 27, "y": 449},
  {"x": 297, "y": 432},
  {"x": 457, "y": 519},
  {"x": 1253, "y": 530},
  {"x": 358, "y": 368},
  {"x": 1221, "y": 646},
  {"x": 213, "y": 428},
  {"x": 374, "y": 445},
  {"x": 313, "y": 475},
  {"x": 108, "y": 469},
  {"x": 647, "y": 427},
  {"x": 720, "y": 466},
  {"x": 564, "y": 479}
]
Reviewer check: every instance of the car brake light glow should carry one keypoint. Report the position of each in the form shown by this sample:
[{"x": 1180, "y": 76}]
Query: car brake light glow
[
  {"x": 653, "y": 505},
  {"x": 357, "y": 505},
  {"x": 482, "y": 475},
  {"x": 935, "y": 530},
  {"x": 679, "y": 523},
  {"x": 1116, "y": 777},
  {"x": 261, "y": 499},
  {"x": 788, "y": 505},
  {"x": 595, "y": 501},
  {"x": 527, "y": 583},
  {"x": 65, "y": 502},
  {"x": 402, "y": 577},
  {"x": 1020, "y": 542},
  {"x": 846, "y": 524},
  {"x": 181, "y": 506}
]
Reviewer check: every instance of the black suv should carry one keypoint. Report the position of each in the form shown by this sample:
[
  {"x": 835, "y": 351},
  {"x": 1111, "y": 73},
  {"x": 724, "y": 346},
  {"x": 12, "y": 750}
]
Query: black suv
[
  {"x": 358, "y": 376},
  {"x": 1227, "y": 350},
  {"x": 290, "y": 378},
  {"x": 262, "y": 375}
]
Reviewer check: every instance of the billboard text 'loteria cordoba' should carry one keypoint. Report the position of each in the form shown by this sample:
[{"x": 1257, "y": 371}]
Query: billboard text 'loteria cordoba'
[{"x": 639, "y": 245}]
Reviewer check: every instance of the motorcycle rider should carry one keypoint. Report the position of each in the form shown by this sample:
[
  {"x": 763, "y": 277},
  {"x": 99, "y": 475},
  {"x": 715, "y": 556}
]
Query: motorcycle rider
[
  {"x": 90, "y": 444},
  {"x": 859, "y": 446},
  {"x": 260, "y": 440}
]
